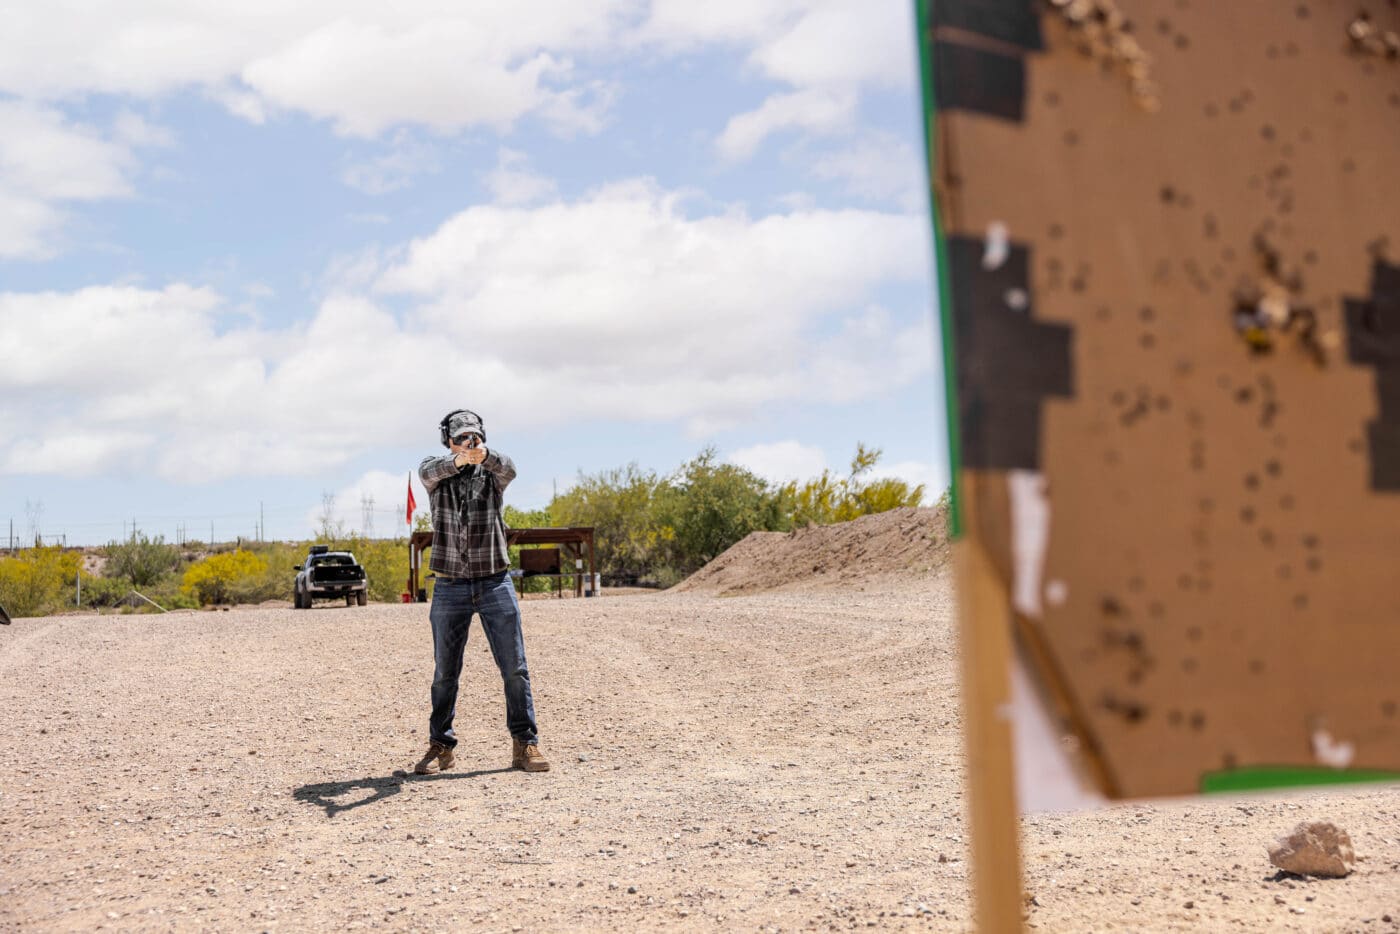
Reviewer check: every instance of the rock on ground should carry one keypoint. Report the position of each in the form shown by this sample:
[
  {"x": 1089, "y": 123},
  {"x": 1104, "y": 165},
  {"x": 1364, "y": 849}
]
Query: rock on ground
[{"x": 1314, "y": 848}]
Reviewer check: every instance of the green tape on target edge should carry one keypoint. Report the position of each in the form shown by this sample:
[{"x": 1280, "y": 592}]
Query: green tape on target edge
[
  {"x": 922, "y": 18},
  {"x": 1265, "y": 777}
]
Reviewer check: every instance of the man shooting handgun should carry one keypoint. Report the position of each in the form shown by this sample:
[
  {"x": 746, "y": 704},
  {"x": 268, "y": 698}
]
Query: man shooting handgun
[{"x": 471, "y": 564}]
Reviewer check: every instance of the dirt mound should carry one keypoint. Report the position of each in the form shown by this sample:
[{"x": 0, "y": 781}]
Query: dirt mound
[{"x": 910, "y": 544}]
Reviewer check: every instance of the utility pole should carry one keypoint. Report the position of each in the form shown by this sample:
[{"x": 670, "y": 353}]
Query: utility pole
[
  {"x": 262, "y": 523},
  {"x": 211, "y": 533}
]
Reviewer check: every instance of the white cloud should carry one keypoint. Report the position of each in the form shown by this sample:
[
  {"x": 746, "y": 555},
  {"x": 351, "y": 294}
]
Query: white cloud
[
  {"x": 364, "y": 66},
  {"x": 879, "y": 167},
  {"x": 47, "y": 161},
  {"x": 826, "y": 53},
  {"x": 836, "y": 43},
  {"x": 685, "y": 23},
  {"x": 616, "y": 305},
  {"x": 781, "y": 461},
  {"x": 512, "y": 182},
  {"x": 377, "y": 502},
  {"x": 785, "y": 461},
  {"x": 405, "y": 159},
  {"x": 134, "y": 130},
  {"x": 934, "y": 477},
  {"x": 871, "y": 350},
  {"x": 817, "y": 111}
]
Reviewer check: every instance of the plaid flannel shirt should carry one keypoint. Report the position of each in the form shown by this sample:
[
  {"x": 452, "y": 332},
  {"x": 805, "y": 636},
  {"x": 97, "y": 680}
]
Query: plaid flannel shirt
[{"x": 469, "y": 532}]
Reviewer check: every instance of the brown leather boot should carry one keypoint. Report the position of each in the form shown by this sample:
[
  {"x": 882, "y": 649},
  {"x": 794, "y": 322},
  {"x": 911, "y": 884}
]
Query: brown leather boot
[
  {"x": 527, "y": 756},
  {"x": 440, "y": 752}
]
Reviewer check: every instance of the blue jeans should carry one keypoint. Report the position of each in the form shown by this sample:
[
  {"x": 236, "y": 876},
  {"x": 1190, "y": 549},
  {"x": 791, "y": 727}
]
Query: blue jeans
[{"x": 454, "y": 602}]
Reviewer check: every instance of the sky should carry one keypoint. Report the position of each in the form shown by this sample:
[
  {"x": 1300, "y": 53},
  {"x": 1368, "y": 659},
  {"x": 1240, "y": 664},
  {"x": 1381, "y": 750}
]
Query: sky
[{"x": 251, "y": 253}]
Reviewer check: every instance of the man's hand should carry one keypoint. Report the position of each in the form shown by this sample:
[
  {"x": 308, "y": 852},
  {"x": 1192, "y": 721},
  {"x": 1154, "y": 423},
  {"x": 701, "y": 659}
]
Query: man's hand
[{"x": 473, "y": 452}]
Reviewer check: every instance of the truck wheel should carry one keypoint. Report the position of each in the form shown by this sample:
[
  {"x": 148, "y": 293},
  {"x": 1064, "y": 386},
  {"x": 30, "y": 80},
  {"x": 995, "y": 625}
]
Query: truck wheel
[
  {"x": 361, "y": 598},
  {"x": 296, "y": 599},
  {"x": 349, "y": 599}
]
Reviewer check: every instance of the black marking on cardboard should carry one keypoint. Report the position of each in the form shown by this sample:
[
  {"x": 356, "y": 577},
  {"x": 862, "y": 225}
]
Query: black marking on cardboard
[
  {"x": 979, "y": 81},
  {"x": 1014, "y": 22},
  {"x": 1373, "y": 337},
  {"x": 1009, "y": 363}
]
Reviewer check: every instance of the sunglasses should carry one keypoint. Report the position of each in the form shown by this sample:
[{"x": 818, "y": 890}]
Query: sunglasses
[{"x": 463, "y": 439}]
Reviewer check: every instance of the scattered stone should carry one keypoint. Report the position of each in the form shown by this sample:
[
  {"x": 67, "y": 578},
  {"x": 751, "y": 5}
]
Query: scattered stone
[{"x": 1314, "y": 848}]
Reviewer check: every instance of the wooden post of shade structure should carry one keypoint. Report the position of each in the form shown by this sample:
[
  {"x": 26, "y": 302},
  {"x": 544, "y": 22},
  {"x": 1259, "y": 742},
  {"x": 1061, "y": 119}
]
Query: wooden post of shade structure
[{"x": 572, "y": 541}]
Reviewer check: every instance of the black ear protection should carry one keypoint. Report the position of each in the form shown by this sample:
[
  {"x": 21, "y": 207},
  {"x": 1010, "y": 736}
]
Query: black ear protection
[{"x": 443, "y": 429}]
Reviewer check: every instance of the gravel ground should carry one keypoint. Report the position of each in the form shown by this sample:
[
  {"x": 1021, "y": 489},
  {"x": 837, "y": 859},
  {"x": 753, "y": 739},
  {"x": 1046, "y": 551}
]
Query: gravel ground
[{"x": 778, "y": 761}]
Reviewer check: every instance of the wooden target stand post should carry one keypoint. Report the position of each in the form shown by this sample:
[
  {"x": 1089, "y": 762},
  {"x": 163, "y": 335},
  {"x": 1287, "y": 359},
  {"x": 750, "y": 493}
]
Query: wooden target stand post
[
  {"x": 985, "y": 642},
  {"x": 984, "y": 620}
]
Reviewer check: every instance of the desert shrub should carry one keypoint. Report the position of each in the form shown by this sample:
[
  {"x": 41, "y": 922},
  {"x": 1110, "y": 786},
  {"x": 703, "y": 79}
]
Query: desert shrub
[
  {"x": 38, "y": 581},
  {"x": 223, "y": 578},
  {"x": 828, "y": 498},
  {"x": 629, "y": 537},
  {"x": 711, "y": 506},
  {"x": 658, "y": 529},
  {"x": 169, "y": 594},
  {"x": 386, "y": 565},
  {"x": 140, "y": 560},
  {"x": 104, "y": 591}
]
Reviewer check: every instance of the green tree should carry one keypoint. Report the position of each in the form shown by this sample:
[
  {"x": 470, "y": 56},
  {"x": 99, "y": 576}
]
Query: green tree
[
  {"x": 711, "y": 505},
  {"x": 620, "y": 506},
  {"x": 140, "y": 560}
]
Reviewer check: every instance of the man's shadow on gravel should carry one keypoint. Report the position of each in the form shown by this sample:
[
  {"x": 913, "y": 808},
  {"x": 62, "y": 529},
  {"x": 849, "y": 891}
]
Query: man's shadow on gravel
[{"x": 332, "y": 796}]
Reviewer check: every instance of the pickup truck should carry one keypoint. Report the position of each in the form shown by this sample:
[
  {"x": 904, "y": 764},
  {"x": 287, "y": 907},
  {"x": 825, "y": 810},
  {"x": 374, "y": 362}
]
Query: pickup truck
[{"x": 329, "y": 574}]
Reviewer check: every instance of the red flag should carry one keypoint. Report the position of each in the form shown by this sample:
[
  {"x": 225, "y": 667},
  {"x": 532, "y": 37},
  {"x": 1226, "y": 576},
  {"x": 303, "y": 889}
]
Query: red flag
[{"x": 412, "y": 505}]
